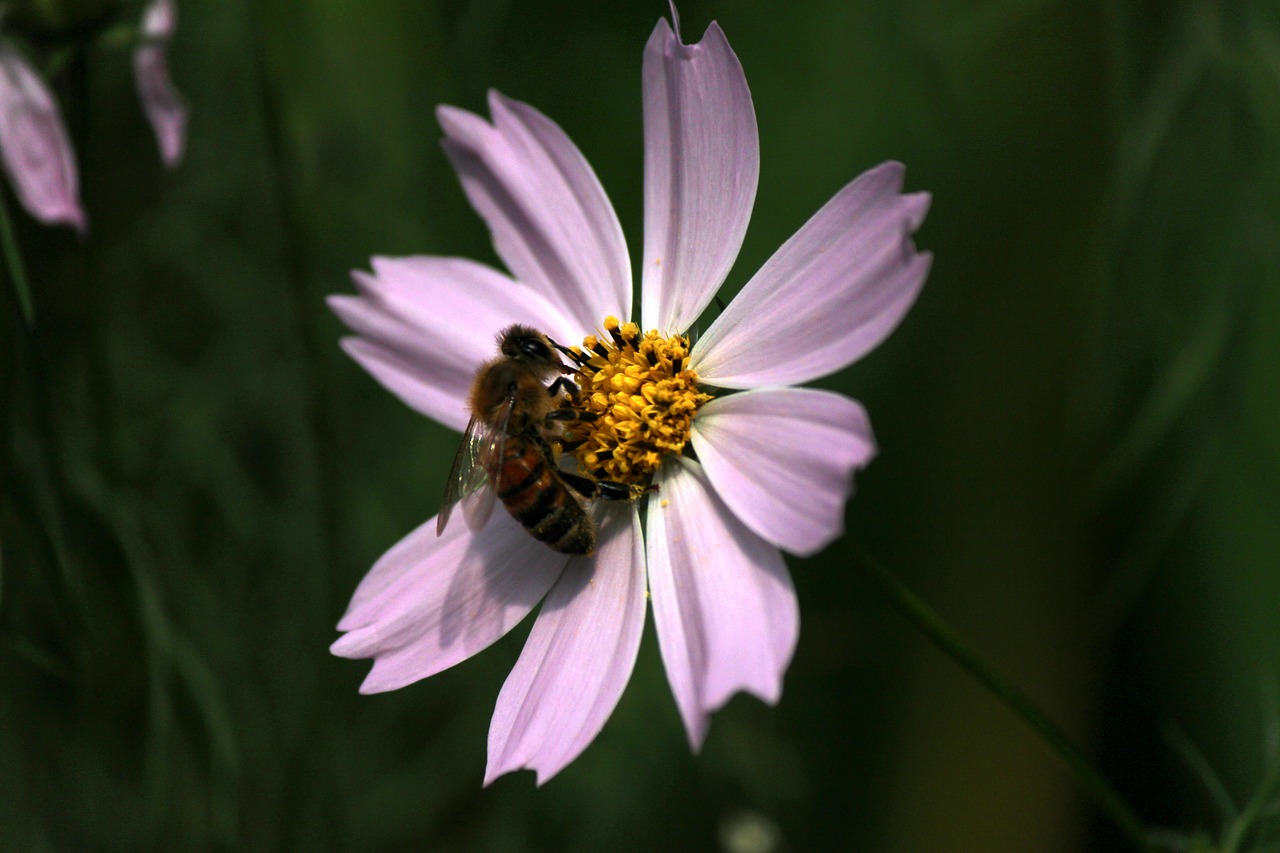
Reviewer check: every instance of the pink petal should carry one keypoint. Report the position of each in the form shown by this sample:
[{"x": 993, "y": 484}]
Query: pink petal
[
  {"x": 723, "y": 603},
  {"x": 577, "y": 659},
  {"x": 833, "y": 291},
  {"x": 783, "y": 460},
  {"x": 164, "y": 105},
  {"x": 701, "y": 164},
  {"x": 425, "y": 324},
  {"x": 551, "y": 221},
  {"x": 431, "y": 601},
  {"x": 34, "y": 146},
  {"x": 424, "y": 387},
  {"x": 159, "y": 20}
]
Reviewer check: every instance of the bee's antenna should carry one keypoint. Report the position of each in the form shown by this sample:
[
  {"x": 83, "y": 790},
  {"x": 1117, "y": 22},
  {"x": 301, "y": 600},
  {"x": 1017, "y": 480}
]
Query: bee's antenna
[{"x": 577, "y": 357}]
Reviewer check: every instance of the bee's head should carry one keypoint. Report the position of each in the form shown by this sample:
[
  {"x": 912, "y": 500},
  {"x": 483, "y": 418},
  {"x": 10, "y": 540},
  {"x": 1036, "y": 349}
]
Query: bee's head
[{"x": 528, "y": 346}]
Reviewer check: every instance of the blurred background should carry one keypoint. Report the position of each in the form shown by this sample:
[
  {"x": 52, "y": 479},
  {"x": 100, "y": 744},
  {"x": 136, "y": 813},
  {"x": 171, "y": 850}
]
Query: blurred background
[{"x": 1079, "y": 426}]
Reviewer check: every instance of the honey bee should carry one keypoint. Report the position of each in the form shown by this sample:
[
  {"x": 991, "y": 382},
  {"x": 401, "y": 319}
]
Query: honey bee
[{"x": 506, "y": 446}]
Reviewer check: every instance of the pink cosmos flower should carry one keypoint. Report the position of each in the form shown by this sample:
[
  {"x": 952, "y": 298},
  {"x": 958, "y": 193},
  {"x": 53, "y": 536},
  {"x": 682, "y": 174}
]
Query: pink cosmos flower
[
  {"x": 774, "y": 463},
  {"x": 164, "y": 105},
  {"x": 34, "y": 146}
]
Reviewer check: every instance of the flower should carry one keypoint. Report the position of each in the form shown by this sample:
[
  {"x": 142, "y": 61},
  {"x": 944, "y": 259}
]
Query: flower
[
  {"x": 164, "y": 105},
  {"x": 774, "y": 462},
  {"x": 34, "y": 146}
]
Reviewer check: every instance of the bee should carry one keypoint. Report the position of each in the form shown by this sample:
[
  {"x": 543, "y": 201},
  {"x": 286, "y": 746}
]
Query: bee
[{"x": 505, "y": 445}]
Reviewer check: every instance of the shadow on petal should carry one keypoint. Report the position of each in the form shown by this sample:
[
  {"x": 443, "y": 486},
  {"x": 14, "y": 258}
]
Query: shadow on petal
[
  {"x": 508, "y": 560},
  {"x": 578, "y": 657}
]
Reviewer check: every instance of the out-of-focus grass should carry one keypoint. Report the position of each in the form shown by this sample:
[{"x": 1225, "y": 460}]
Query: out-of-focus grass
[{"x": 1189, "y": 320}]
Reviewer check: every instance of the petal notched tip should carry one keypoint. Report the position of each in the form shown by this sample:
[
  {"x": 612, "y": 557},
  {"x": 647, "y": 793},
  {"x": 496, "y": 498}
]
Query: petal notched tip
[
  {"x": 723, "y": 603},
  {"x": 541, "y": 776},
  {"x": 548, "y": 216},
  {"x": 889, "y": 177},
  {"x": 915, "y": 207},
  {"x": 338, "y": 648},
  {"x": 697, "y": 724},
  {"x": 577, "y": 659},
  {"x": 463, "y": 129},
  {"x": 669, "y": 39},
  {"x": 702, "y": 163},
  {"x": 829, "y": 295}
]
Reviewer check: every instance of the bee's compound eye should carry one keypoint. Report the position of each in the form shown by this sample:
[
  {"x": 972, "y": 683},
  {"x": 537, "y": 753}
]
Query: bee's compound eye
[{"x": 535, "y": 348}]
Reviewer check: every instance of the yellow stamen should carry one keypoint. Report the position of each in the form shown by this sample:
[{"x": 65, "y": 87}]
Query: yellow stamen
[{"x": 643, "y": 398}]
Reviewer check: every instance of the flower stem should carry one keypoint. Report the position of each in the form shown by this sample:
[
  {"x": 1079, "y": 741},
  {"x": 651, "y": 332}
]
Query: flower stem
[
  {"x": 14, "y": 266},
  {"x": 942, "y": 636}
]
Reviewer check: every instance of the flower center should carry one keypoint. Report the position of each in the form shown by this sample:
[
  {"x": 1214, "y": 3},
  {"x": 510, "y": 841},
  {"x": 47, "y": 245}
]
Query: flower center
[{"x": 637, "y": 402}]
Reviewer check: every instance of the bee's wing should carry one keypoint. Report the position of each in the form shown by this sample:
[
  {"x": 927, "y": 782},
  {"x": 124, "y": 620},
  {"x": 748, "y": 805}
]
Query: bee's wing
[
  {"x": 478, "y": 506},
  {"x": 468, "y": 472},
  {"x": 478, "y": 510}
]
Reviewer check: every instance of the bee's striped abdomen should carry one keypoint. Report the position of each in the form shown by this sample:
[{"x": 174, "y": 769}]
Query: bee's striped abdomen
[{"x": 538, "y": 499}]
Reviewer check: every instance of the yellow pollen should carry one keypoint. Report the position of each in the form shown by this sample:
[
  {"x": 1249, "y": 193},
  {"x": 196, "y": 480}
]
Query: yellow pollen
[{"x": 637, "y": 399}]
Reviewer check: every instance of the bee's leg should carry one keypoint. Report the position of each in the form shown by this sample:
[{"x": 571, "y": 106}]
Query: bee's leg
[
  {"x": 569, "y": 415},
  {"x": 563, "y": 385},
  {"x": 606, "y": 489}
]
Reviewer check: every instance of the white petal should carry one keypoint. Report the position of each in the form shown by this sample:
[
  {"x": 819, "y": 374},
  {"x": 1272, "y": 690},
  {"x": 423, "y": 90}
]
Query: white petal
[
  {"x": 783, "y": 460},
  {"x": 701, "y": 165},
  {"x": 723, "y": 602},
  {"x": 431, "y": 601},
  {"x": 577, "y": 659},
  {"x": 833, "y": 291},
  {"x": 426, "y": 324},
  {"x": 551, "y": 221}
]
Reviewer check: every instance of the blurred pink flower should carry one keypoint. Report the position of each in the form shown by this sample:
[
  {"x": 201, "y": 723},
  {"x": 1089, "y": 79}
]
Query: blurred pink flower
[
  {"x": 164, "y": 105},
  {"x": 775, "y": 463},
  {"x": 34, "y": 146}
]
